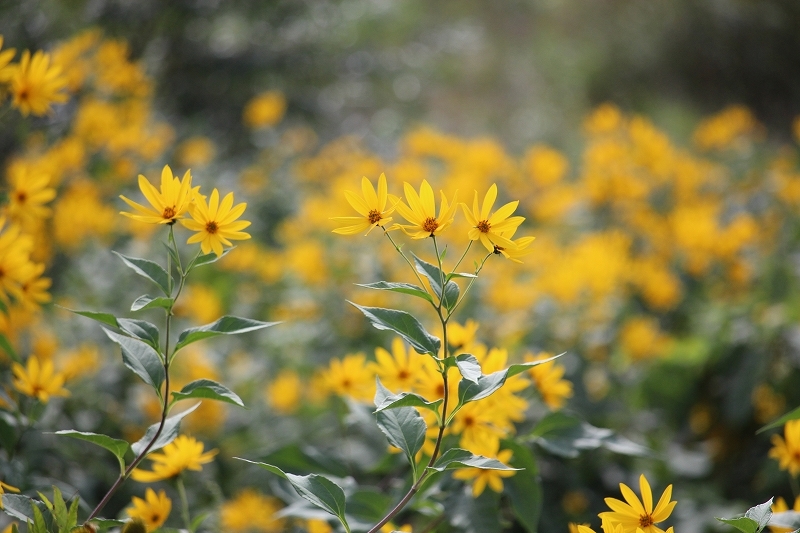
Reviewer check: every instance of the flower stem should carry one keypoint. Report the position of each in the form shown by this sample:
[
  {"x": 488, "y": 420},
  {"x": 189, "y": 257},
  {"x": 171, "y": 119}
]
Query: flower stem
[
  {"x": 184, "y": 503},
  {"x": 396, "y": 247}
]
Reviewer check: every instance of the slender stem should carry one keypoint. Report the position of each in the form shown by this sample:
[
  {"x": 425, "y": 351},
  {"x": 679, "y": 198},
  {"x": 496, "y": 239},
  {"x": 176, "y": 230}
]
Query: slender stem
[
  {"x": 471, "y": 281},
  {"x": 184, "y": 503},
  {"x": 463, "y": 255},
  {"x": 396, "y": 247},
  {"x": 441, "y": 275}
]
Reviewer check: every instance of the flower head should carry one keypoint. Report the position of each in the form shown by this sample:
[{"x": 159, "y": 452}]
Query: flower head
[
  {"x": 421, "y": 212},
  {"x": 28, "y": 193},
  {"x": 371, "y": 207},
  {"x": 184, "y": 453},
  {"x": 489, "y": 227},
  {"x": 548, "y": 378},
  {"x": 38, "y": 379},
  {"x": 215, "y": 222},
  {"x": 635, "y": 515},
  {"x": 169, "y": 204},
  {"x": 251, "y": 511},
  {"x": 787, "y": 451},
  {"x": 35, "y": 84},
  {"x": 153, "y": 511},
  {"x": 519, "y": 248},
  {"x": 6, "y": 69}
]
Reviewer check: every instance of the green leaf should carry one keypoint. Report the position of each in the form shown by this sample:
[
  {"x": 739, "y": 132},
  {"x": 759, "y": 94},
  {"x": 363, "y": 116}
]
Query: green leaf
[
  {"x": 760, "y": 514},
  {"x": 405, "y": 288},
  {"x": 566, "y": 436},
  {"x": 408, "y": 399},
  {"x": 104, "y": 524},
  {"x": 141, "y": 329},
  {"x": 432, "y": 272},
  {"x": 405, "y": 429},
  {"x": 6, "y": 346},
  {"x": 168, "y": 434},
  {"x": 39, "y": 523},
  {"x": 206, "y": 388},
  {"x": 404, "y": 325},
  {"x": 104, "y": 318},
  {"x": 524, "y": 489},
  {"x": 207, "y": 259},
  {"x": 73, "y": 511},
  {"x": 469, "y": 367},
  {"x": 116, "y": 446},
  {"x": 20, "y": 507},
  {"x": 368, "y": 504},
  {"x": 150, "y": 270},
  {"x": 314, "y": 488},
  {"x": 794, "y": 414},
  {"x": 743, "y": 524},
  {"x": 553, "y": 422},
  {"x": 147, "y": 302},
  {"x": 452, "y": 275},
  {"x": 459, "y": 458},
  {"x": 451, "y": 292},
  {"x": 227, "y": 325},
  {"x": 141, "y": 358},
  {"x": 486, "y": 385}
]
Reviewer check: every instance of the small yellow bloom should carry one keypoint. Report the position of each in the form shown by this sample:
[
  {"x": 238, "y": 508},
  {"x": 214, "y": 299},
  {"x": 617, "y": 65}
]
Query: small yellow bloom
[
  {"x": 251, "y": 511},
  {"x": 371, "y": 207},
  {"x": 284, "y": 393},
  {"x": 38, "y": 379},
  {"x": 28, "y": 193},
  {"x": 215, "y": 222},
  {"x": 351, "y": 376},
  {"x": 635, "y": 515},
  {"x": 169, "y": 204},
  {"x": 184, "y": 453},
  {"x": 489, "y": 227},
  {"x": 548, "y": 379},
  {"x": 35, "y": 84},
  {"x": 519, "y": 248},
  {"x": 400, "y": 370},
  {"x": 266, "y": 109},
  {"x": 422, "y": 212},
  {"x": 318, "y": 526},
  {"x": 787, "y": 452},
  {"x": 153, "y": 510},
  {"x": 461, "y": 337}
]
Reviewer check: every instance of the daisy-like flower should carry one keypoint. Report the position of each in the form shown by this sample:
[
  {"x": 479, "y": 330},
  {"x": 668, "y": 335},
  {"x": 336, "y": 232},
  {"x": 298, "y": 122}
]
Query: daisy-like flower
[
  {"x": 36, "y": 84},
  {"x": 519, "y": 249},
  {"x": 787, "y": 451},
  {"x": 38, "y": 379},
  {"x": 184, "y": 453},
  {"x": 167, "y": 205},
  {"x": 371, "y": 207},
  {"x": 215, "y": 222},
  {"x": 421, "y": 212},
  {"x": 27, "y": 195},
  {"x": 153, "y": 511},
  {"x": 548, "y": 378},
  {"x": 635, "y": 515},
  {"x": 399, "y": 370},
  {"x": 6, "y": 69},
  {"x": 489, "y": 228}
]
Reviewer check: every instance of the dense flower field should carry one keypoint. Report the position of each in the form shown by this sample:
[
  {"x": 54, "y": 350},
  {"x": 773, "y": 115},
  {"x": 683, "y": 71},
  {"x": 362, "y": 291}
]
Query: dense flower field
[{"x": 558, "y": 326}]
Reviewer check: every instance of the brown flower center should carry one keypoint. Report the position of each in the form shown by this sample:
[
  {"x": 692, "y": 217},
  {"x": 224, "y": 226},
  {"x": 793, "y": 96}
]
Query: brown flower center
[
  {"x": 23, "y": 94},
  {"x": 21, "y": 196},
  {"x": 403, "y": 374},
  {"x": 211, "y": 227},
  {"x": 484, "y": 226},
  {"x": 430, "y": 225},
  {"x": 374, "y": 216},
  {"x": 646, "y": 520},
  {"x": 169, "y": 212}
]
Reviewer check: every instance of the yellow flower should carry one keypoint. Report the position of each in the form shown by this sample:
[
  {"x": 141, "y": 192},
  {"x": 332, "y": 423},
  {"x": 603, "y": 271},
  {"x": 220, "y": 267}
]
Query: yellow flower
[
  {"x": 461, "y": 337},
  {"x": 400, "y": 370},
  {"x": 153, "y": 510},
  {"x": 284, "y": 393},
  {"x": 372, "y": 208},
  {"x": 548, "y": 379},
  {"x": 38, "y": 379},
  {"x": 195, "y": 151},
  {"x": 35, "y": 84},
  {"x": 787, "y": 452},
  {"x": 318, "y": 526},
  {"x": 28, "y": 193},
  {"x": 780, "y": 506},
  {"x": 635, "y": 515},
  {"x": 5, "y": 486},
  {"x": 352, "y": 377},
  {"x": 489, "y": 228},
  {"x": 481, "y": 477},
  {"x": 215, "y": 222},
  {"x": 251, "y": 511},
  {"x": 6, "y": 70},
  {"x": 169, "y": 204},
  {"x": 266, "y": 109},
  {"x": 184, "y": 453},
  {"x": 422, "y": 213},
  {"x": 519, "y": 248}
]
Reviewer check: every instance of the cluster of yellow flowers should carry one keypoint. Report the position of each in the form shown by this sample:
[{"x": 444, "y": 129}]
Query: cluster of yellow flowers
[{"x": 35, "y": 82}]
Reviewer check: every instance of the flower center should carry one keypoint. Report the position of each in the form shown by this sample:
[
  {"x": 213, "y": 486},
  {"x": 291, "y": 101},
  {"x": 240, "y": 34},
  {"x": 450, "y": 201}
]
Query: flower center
[
  {"x": 23, "y": 94},
  {"x": 430, "y": 225},
  {"x": 169, "y": 212},
  {"x": 403, "y": 374},
  {"x": 374, "y": 216},
  {"x": 484, "y": 226},
  {"x": 646, "y": 520},
  {"x": 498, "y": 249},
  {"x": 211, "y": 227},
  {"x": 21, "y": 197}
]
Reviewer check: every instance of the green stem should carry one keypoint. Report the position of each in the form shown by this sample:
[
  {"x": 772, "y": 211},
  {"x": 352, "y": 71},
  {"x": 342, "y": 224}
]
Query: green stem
[
  {"x": 184, "y": 503},
  {"x": 441, "y": 274},
  {"x": 396, "y": 247},
  {"x": 471, "y": 281},
  {"x": 463, "y": 256}
]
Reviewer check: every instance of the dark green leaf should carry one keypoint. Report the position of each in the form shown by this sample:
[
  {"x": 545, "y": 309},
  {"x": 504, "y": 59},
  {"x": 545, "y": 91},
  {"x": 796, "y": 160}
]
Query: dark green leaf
[
  {"x": 367, "y": 504},
  {"x": 794, "y": 414},
  {"x": 168, "y": 434},
  {"x": 486, "y": 385},
  {"x": 408, "y": 399},
  {"x": 451, "y": 292},
  {"x": 116, "y": 446},
  {"x": 104, "y": 318},
  {"x": 316, "y": 489},
  {"x": 141, "y": 358},
  {"x": 141, "y": 329},
  {"x": 524, "y": 489},
  {"x": 20, "y": 507},
  {"x": 469, "y": 367},
  {"x": 227, "y": 325},
  {"x": 206, "y": 388},
  {"x": 567, "y": 437},
  {"x": 405, "y": 429},
  {"x": 147, "y": 302},
  {"x": 460, "y": 458},
  {"x": 8, "y": 435},
  {"x": 760, "y": 514},
  {"x": 207, "y": 259},
  {"x": 405, "y": 288},
  {"x": 432, "y": 272},
  {"x": 452, "y": 275},
  {"x": 404, "y": 325},
  {"x": 150, "y": 270},
  {"x": 553, "y": 422},
  {"x": 743, "y": 524}
]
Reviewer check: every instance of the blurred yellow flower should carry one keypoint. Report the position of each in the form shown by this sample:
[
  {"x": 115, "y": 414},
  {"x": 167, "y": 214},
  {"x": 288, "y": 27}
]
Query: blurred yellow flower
[
  {"x": 169, "y": 204},
  {"x": 400, "y": 370},
  {"x": 635, "y": 515},
  {"x": 28, "y": 192},
  {"x": 215, "y": 222},
  {"x": 251, "y": 511},
  {"x": 548, "y": 378},
  {"x": 488, "y": 227},
  {"x": 195, "y": 152},
  {"x": 36, "y": 84},
  {"x": 153, "y": 510},
  {"x": 461, "y": 338},
  {"x": 81, "y": 361},
  {"x": 266, "y": 109},
  {"x": 318, "y": 526},
  {"x": 422, "y": 213},
  {"x": 351, "y": 376},
  {"x": 38, "y": 379},
  {"x": 641, "y": 338},
  {"x": 482, "y": 477},
  {"x": 787, "y": 452},
  {"x": 371, "y": 207},
  {"x": 184, "y": 453},
  {"x": 6, "y": 69},
  {"x": 284, "y": 393}
]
